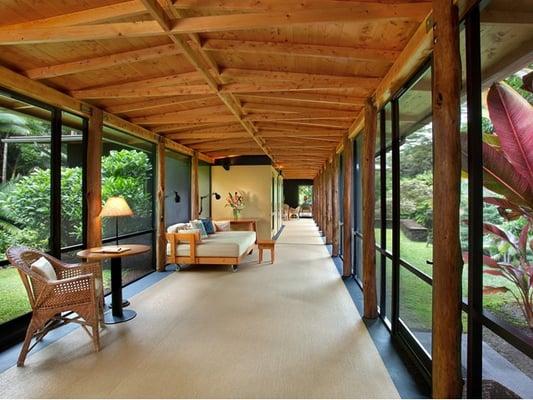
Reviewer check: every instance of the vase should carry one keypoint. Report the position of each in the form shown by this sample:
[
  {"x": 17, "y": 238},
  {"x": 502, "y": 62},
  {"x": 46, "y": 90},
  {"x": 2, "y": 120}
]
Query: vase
[{"x": 236, "y": 213}]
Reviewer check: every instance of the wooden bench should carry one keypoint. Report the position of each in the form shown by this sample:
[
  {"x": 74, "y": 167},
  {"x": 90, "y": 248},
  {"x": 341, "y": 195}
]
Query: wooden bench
[{"x": 268, "y": 245}]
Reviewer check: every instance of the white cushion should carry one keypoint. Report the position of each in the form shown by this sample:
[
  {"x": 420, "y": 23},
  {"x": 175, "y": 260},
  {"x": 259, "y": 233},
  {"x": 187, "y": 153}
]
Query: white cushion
[
  {"x": 43, "y": 267},
  {"x": 176, "y": 227},
  {"x": 220, "y": 244}
]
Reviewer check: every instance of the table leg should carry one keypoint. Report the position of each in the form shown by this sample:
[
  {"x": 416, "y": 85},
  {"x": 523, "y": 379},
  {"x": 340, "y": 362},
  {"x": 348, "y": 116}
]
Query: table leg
[
  {"x": 272, "y": 255},
  {"x": 117, "y": 313},
  {"x": 260, "y": 255}
]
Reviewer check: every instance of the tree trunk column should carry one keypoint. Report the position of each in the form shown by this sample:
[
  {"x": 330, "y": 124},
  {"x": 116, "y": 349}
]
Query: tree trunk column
[
  {"x": 329, "y": 199},
  {"x": 161, "y": 247},
  {"x": 347, "y": 204},
  {"x": 94, "y": 179},
  {"x": 447, "y": 261},
  {"x": 369, "y": 251},
  {"x": 335, "y": 205}
]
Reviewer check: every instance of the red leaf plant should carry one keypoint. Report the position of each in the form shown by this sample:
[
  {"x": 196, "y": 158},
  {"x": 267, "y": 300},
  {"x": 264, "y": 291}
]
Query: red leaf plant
[{"x": 508, "y": 171}]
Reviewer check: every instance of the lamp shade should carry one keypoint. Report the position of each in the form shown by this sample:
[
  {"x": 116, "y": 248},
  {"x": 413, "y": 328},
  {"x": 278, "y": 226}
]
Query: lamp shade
[{"x": 116, "y": 207}]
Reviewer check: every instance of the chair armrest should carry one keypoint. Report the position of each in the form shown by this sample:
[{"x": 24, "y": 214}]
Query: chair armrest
[
  {"x": 175, "y": 238},
  {"x": 73, "y": 270}
]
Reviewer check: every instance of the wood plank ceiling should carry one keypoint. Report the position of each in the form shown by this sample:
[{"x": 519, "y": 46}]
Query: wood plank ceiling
[{"x": 284, "y": 78}]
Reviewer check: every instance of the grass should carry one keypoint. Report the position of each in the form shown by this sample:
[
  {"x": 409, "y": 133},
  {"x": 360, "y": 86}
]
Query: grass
[
  {"x": 13, "y": 299},
  {"x": 415, "y": 294}
]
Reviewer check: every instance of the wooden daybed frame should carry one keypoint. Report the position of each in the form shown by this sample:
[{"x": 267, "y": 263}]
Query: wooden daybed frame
[{"x": 174, "y": 238}]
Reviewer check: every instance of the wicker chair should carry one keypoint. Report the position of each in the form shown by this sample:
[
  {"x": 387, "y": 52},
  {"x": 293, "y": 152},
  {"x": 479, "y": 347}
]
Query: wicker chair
[{"x": 78, "y": 289}]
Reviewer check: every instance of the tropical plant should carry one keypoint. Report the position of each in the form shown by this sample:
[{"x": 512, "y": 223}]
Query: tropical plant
[
  {"x": 508, "y": 171},
  {"x": 235, "y": 201}
]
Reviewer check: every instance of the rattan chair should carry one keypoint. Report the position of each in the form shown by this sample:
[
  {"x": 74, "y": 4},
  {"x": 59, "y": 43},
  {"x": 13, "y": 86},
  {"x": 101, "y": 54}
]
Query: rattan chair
[{"x": 78, "y": 289}]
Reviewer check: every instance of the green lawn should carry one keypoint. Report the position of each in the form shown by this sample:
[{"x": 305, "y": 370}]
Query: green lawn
[
  {"x": 415, "y": 294},
  {"x": 13, "y": 298}
]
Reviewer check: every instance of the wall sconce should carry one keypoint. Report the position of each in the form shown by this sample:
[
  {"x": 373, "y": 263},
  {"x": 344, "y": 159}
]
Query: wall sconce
[{"x": 217, "y": 197}]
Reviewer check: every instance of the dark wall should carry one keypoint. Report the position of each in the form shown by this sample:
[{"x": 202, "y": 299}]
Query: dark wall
[
  {"x": 177, "y": 179},
  {"x": 290, "y": 190}
]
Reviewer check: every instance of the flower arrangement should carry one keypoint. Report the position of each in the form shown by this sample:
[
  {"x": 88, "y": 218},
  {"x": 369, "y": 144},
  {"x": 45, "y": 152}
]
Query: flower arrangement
[{"x": 236, "y": 202}]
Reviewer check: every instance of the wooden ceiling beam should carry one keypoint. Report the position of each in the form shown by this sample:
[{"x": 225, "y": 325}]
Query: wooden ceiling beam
[
  {"x": 89, "y": 16},
  {"x": 262, "y": 76},
  {"x": 156, "y": 103},
  {"x": 263, "y": 5},
  {"x": 272, "y": 86},
  {"x": 253, "y": 151},
  {"x": 111, "y": 60},
  {"x": 306, "y": 97},
  {"x": 206, "y": 128},
  {"x": 280, "y": 108},
  {"x": 187, "y": 78},
  {"x": 294, "y": 117},
  {"x": 356, "y": 12},
  {"x": 207, "y": 136},
  {"x": 177, "y": 90},
  {"x": 307, "y": 50}
]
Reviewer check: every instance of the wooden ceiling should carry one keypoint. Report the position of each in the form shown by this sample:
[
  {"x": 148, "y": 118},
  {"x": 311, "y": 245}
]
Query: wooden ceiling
[{"x": 286, "y": 78}]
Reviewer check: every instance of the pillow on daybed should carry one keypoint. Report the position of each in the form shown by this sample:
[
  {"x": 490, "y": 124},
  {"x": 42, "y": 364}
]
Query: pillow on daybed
[
  {"x": 222, "y": 226},
  {"x": 208, "y": 225},
  {"x": 198, "y": 224}
]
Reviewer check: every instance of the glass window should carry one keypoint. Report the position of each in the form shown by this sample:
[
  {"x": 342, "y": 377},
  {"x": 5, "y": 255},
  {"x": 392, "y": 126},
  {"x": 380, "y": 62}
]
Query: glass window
[
  {"x": 128, "y": 171},
  {"x": 416, "y": 207},
  {"x": 72, "y": 155},
  {"x": 25, "y": 134}
]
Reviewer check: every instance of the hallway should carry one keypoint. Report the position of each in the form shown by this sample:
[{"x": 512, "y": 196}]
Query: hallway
[{"x": 284, "y": 330}]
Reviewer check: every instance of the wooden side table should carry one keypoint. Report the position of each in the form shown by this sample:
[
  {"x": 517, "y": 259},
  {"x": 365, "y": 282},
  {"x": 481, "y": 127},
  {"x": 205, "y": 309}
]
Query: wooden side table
[
  {"x": 267, "y": 245},
  {"x": 117, "y": 314}
]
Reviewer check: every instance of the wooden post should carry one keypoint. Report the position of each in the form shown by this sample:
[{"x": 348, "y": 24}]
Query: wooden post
[
  {"x": 319, "y": 201},
  {"x": 369, "y": 250},
  {"x": 335, "y": 206},
  {"x": 329, "y": 199},
  {"x": 195, "y": 197},
  {"x": 324, "y": 204},
  {"x": 94, "y": 179},
  {"x": 347, "y": 204},
  {"x": 447, "y": 262},
  {"x": 161, "y": 242}
]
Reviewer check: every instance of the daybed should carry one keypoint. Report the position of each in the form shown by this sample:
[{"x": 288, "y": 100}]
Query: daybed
[{"x": 221, "y": 247}]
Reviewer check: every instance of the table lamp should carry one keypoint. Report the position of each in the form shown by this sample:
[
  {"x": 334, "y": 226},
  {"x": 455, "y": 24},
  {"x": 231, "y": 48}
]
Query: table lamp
[{"x": 116, "y": 207}]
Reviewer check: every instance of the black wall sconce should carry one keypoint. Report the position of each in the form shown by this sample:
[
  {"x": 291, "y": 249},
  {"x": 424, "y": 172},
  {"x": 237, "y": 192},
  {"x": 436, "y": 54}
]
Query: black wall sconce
[{"x": 217, "y": 197}]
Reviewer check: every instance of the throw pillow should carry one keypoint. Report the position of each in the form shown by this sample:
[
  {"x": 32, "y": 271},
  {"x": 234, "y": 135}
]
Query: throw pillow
[
  {"x": 222, "y": 226},
  {"x": 208, "y": 225},
  {"x": 197, "y": 224},
  {"x": 43, "y": 267}
]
